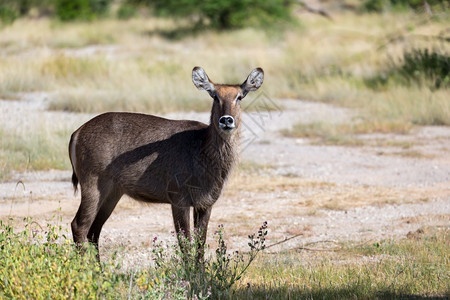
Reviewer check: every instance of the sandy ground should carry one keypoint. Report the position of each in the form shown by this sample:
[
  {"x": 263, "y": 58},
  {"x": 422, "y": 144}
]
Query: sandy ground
[{"x": 334, "y": 193}]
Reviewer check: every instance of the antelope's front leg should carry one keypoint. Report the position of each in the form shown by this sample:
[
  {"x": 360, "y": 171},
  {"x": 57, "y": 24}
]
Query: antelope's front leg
[
  {"x": 201, "y": 220},
  {"x": 181, "y": 221}
]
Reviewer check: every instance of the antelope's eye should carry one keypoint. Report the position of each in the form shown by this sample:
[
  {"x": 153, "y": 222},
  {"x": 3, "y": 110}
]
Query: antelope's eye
[{"x": 239, "y": 98}]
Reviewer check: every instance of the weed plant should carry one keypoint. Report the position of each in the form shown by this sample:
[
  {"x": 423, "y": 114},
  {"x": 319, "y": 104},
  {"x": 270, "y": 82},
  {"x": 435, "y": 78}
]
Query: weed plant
[{"x": 199, "y": 279}]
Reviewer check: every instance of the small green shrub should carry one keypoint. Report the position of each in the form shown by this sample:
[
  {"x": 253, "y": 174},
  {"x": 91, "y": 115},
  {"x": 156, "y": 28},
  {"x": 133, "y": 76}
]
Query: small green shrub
[
  {"x": 421, "y": 65},
  {"x": 415, "y": 3},
  {"x": 9, "y": 11},
  {"x": 374, "y": 5},
  {"x": 68, "y": 10},
  {"x": 42, "y": 263},
  {"x": 126, "y": 11},
  {"x": 65, "y": 10}
]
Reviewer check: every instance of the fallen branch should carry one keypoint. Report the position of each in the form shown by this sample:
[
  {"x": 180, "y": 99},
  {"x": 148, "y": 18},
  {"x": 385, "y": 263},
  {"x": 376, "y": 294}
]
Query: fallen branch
[
  {"x": 283, "y": 241},
  {"x": 313, "y": 10},
  {"x": 303, "y": 247}
]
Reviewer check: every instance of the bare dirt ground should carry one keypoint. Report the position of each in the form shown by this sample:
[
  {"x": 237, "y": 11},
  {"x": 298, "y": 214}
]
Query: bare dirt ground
[{"x": 317, "y": 194}]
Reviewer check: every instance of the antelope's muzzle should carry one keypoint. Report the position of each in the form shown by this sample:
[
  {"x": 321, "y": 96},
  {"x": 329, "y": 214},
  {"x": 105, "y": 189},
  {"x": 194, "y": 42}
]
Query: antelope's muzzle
[{"x": 226, "y": 123}]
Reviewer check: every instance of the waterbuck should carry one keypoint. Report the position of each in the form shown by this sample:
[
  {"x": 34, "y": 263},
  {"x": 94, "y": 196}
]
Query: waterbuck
[{"x": 151, "y": 159}]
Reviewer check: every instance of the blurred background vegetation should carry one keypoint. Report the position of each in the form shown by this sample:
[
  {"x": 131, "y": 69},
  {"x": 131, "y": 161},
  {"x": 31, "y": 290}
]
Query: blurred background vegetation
[
  {"x": 361, "y": 49},
  {"x": 223, "y": 14},
  {"x": 387, "y": 60},
  {"x": 216, "y": 14}
]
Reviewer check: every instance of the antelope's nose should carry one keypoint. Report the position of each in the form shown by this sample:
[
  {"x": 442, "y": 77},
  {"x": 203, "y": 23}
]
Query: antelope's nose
[{"x": 226, "y": 122}]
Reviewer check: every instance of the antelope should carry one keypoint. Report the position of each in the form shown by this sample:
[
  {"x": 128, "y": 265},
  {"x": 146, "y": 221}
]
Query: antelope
[{"x": 183, "y": 163}]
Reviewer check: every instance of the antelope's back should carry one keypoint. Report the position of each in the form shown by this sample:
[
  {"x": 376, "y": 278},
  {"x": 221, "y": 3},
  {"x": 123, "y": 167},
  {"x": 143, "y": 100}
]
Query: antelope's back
[{"x": 121, "y": 140}]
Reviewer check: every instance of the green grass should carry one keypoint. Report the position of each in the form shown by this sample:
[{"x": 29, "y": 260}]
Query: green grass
[{"x": 42, "y": 262}]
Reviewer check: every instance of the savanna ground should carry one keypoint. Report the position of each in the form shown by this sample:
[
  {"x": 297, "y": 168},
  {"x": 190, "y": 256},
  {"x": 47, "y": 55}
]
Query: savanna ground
[{"x": 347, "y": 162}]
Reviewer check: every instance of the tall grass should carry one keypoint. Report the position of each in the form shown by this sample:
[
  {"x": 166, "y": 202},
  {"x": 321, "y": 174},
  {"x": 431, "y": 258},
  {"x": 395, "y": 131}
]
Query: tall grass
[{"x": 129, "y": 65}]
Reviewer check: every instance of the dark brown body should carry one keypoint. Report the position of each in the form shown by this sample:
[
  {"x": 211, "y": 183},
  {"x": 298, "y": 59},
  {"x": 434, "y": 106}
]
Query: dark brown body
[{"x": 152, "y": 159}]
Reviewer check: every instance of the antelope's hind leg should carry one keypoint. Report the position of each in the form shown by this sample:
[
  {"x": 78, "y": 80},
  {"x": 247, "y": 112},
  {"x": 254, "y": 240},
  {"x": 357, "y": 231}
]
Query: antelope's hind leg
[
  {"x": 106, "y": 208},
  {"x": 93, "y": 209},
  {"x": 90, "y": 198}
]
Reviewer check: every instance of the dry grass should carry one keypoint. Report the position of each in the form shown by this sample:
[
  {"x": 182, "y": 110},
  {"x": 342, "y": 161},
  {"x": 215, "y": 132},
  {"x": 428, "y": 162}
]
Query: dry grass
[
  {"x": 39, "y": 150},
  {"x": 306, "y": 196},
  {"x": 387, "y": 269},
  {"x": 348, "y": 134},
  {"x": 113, "y": 65},
  {"x": 127, "y": 65}
]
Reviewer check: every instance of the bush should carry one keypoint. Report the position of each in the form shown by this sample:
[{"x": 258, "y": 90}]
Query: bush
[
  {"x": 423, "y": 65},
  {"x": 9, "y": 11},
  {"x": 68, "y": 10},
  {"x": 225, "y": 14},
  {"x": 40, "y": 263},
  {"x": 374, "y": 5}
]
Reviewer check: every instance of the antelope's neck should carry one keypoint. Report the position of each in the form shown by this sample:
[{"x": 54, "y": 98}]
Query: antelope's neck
[{"x": 221, "y": 150}]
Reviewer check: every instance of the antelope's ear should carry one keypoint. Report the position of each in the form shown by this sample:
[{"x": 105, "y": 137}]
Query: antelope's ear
[
  {"x": 201, "y": 80},
  {"x": 254, "y": 81}
]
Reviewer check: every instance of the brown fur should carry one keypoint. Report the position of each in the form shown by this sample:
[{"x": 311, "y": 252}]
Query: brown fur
[{"x": 181, "y": 162}]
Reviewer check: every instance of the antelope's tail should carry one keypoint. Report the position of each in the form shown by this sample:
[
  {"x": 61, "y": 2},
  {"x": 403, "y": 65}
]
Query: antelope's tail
[
  {"x": 73, "y": 158},
  {"x": 75, "y": 182}
]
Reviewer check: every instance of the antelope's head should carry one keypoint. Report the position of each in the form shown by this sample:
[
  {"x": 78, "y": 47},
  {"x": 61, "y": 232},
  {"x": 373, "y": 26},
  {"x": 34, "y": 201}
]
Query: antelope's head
[{"x": 226, "y": 110}]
